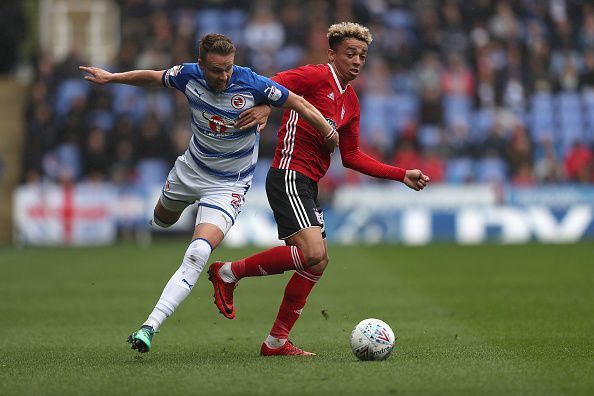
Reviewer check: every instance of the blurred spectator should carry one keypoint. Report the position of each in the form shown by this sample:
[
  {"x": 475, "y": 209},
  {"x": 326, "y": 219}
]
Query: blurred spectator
[
  {"x": 378, "y": 109},
  {"x": 434, "y": 165},
  {"x": 63, "y": 163},
  {"x": 154, "y": 152},
  {"x": 457, "y": 78},
  {"x": 121, "y": 144},
  {"x": 12, "y": 31},
  {"x": 40, "y": 137},
  {"x": 407, "y": 156},
  {"x": 578, "y": 164},
  {"x": 519, "y": 153},
  {"x": 547, "y": 167},
  {"x": 587, "y": 75},
  {"x": 264, "y": 36}
]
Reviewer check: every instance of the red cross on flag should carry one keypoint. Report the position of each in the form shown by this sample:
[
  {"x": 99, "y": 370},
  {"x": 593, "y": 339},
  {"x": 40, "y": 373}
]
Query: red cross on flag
[{"x": 49, "y": 214}]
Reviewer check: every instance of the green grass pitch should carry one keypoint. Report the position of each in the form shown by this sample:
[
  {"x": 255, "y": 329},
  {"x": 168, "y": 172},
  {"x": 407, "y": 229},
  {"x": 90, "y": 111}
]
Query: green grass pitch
[{"x": 475, "y": 320}]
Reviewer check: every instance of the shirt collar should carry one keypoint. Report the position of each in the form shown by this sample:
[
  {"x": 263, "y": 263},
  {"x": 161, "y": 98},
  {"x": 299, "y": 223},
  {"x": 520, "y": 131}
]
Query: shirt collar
[{"x": 336, "y": 80}]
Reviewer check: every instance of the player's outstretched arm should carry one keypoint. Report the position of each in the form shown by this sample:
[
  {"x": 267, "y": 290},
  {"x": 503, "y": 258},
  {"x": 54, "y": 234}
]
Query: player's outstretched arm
[
  {"x": 140, "y": 78},
  {"x": 257, "y": 115},
  {"x": 315, "y": 118},
  {"x": 354, "y": 158},
  {"x": 415, "y": 179}
]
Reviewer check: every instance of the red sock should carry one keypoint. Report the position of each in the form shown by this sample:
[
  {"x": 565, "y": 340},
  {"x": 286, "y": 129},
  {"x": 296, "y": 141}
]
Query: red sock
[
  {"x": 272, "y": 261},
  {"x": 296, "y": 293}
]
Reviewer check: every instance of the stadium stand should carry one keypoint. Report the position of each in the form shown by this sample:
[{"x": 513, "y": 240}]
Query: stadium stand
[{"x": 463, "y": 84}]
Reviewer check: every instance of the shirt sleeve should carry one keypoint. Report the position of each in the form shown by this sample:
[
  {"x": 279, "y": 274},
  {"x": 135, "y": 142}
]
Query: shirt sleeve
[
  {"x": 269, "y": 91},
  {"x": 354, "y": 158},
  {"x": 177, "y": 77},
  {"x": 302, "y": 80}
]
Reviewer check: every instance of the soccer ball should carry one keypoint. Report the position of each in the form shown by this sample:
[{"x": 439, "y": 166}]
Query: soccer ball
[{"x": 372, "y": 339}]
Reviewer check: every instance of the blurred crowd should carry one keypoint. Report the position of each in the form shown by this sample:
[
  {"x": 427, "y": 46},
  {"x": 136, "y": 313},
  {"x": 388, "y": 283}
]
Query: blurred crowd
[{"x": 469, "y": 91}]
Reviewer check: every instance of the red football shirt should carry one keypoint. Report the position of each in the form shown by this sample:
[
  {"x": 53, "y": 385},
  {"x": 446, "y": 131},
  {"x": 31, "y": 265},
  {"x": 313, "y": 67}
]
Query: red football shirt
[{"x": 300, "y": 145}]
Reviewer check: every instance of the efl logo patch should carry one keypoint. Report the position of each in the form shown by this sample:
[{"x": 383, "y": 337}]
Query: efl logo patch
[
  {"x": 273, "y": 92},
  {"x": 174, "y": 71},
  {"x": 319, "y": 216},
  {"x": 238, "y": 102}
]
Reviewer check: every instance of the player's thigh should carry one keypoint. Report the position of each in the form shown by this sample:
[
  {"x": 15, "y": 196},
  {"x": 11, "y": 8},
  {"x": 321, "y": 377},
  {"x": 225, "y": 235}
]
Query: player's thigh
[
  {"x": 293, "y": 200},
  {"x": 168, "y": 212},
  {"x": 179, "y": 192},
  {"x": 219, "y": 207}
]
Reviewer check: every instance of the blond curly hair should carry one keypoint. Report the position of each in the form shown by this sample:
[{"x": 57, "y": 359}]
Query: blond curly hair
[{"x": 344, "y": 30}]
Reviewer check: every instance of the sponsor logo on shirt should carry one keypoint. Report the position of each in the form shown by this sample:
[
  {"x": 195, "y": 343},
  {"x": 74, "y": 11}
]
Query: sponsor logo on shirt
[
  {"x": 273, "y": 93},
  {"x": 217, "y": 123}
]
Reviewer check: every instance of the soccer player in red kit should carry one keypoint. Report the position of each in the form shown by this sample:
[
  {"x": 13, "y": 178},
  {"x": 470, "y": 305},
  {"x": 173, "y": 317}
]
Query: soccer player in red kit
[{"x": 300, "y": 161}]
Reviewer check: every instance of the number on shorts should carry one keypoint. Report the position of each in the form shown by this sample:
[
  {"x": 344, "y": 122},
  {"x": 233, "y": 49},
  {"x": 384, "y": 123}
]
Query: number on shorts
[{"x": 236, "y": 201}]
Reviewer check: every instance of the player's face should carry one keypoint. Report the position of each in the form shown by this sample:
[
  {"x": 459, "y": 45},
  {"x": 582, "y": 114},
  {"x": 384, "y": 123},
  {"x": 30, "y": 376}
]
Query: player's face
[
  {"x": 217, "y": 70},
  {"x": 348, "y": 59}
]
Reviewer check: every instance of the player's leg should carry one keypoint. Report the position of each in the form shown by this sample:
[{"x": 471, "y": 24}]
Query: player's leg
[
  {"x": 295, "y": 297},
  {"x": 212, "y": 223},
  {"x": 208, "y": 234},
  {"x": 205, "y": 239},
  {"x": 175, "y": 197},
  {"x": 296, "y": 212},
  {"x": 167, "y": 212},
  {"x": 311, "y": 241},
  {"x": 297, "y": 215}
]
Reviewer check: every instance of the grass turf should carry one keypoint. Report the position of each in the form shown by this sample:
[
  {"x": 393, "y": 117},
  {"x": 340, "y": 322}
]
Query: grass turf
[{"x": 471, "y": 320}]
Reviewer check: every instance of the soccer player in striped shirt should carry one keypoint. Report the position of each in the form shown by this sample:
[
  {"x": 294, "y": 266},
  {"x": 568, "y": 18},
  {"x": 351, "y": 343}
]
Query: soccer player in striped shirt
[
  {"x": 217, "y": 168},
  {"x": 291, "y": 185}
]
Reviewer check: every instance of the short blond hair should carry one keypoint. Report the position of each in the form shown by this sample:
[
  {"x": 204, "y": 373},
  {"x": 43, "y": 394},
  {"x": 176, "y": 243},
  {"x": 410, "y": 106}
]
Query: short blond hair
[{"x": 344, "y": 30}]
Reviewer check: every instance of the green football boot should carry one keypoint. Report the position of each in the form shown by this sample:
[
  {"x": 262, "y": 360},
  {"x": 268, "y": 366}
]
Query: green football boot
[{"x": 141, "y": 339}]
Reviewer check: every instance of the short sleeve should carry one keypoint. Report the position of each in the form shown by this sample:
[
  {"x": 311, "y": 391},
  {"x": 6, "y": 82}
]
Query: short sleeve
[
  {"x": 177, "y": 76},
  {"x": 268, "y": 91}
]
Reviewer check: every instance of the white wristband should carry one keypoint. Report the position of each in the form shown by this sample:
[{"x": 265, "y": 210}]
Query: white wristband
[{"x": 329, "y": 135}]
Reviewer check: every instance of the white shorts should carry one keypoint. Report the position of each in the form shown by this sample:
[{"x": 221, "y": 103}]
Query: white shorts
[{"x": 219, "y": 202}]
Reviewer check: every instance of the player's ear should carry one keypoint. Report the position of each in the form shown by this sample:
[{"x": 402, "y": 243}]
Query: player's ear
[{"x": 331, "y": 54}]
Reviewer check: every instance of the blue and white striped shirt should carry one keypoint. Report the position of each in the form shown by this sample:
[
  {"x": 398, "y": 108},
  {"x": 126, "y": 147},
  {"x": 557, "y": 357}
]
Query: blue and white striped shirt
[{"x": 217, "y": 147}]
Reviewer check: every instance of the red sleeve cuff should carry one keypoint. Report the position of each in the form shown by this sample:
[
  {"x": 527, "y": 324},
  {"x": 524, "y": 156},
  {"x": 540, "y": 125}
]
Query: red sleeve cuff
[{"x": 399, "y": 173}]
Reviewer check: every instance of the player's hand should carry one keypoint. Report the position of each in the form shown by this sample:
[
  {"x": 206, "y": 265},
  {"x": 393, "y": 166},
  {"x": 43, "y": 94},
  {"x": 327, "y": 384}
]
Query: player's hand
[
  {"x": 331, "y": 141},
  {"x": 415, "y": 179},
  {"x": 96, "y": 75},
  {"x": 257, "y": 115}
]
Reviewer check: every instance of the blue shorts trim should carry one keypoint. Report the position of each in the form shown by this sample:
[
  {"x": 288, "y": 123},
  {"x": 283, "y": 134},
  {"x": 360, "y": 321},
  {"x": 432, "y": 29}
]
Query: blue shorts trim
[{"x": 218, "y": 208}]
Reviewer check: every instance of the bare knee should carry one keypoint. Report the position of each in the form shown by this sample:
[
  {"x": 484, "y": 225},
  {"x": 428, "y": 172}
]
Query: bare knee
[
  {"x": 312, "y": 246},
  {"x": 314, "y": 256},
  {"x": 164, "y": 216},
  {"x": 319, "y": 268}
]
